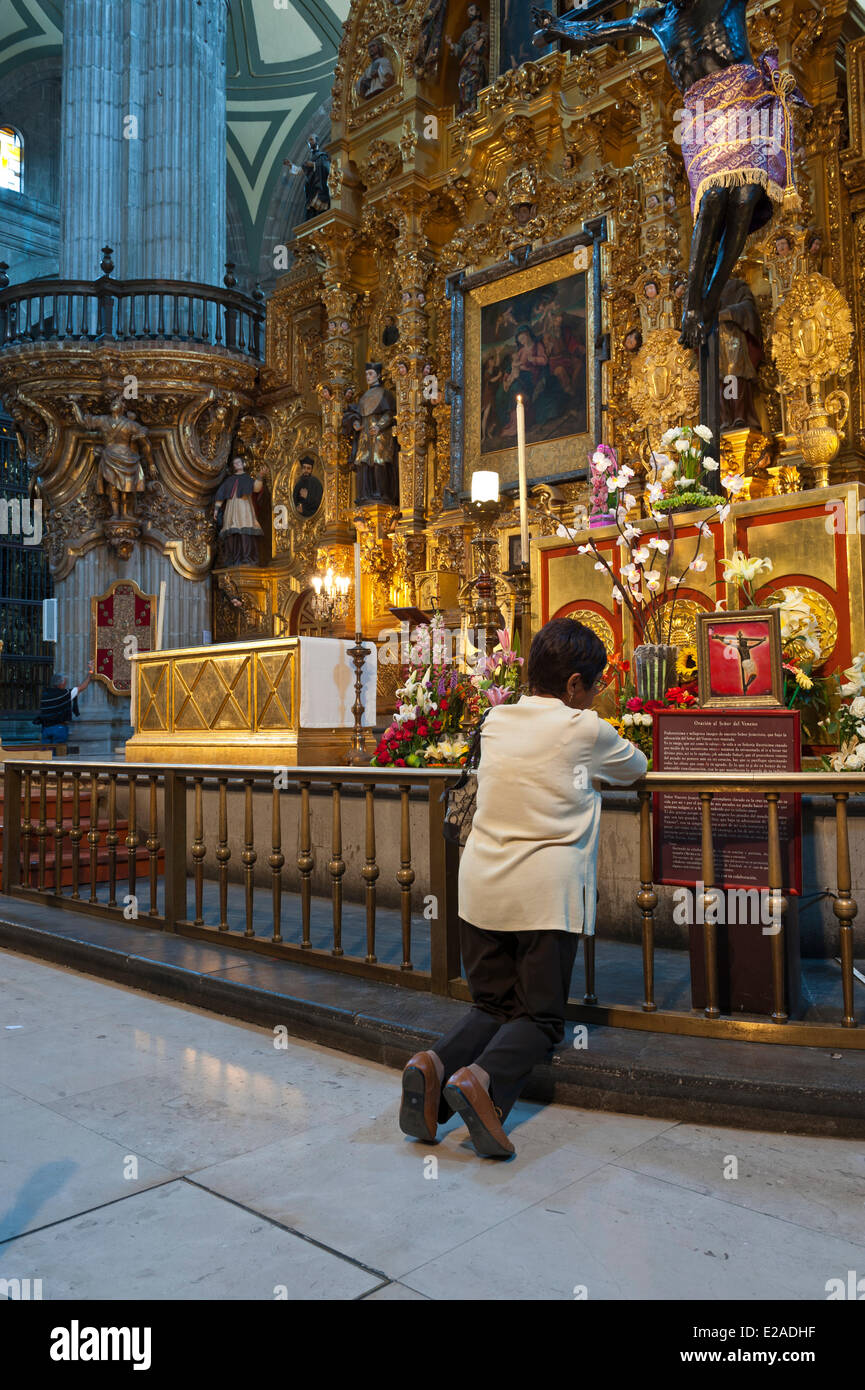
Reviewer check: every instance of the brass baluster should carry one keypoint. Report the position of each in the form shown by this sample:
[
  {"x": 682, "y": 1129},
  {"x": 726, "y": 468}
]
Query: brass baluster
[
  {"x": 223, "y": 854},
  {"x": 93, "y": 833},
  {"x": 845, "y": 906},
  {"x": 249, "y": 856},
  {"x": 76, "y": 834},
  {"x": 337, "y": 869},
  {"x": 27, "y": 825},
  {"x": 42, "y": 828},
  {"x": 647, "y": 899},
  {"x": 777, "y": 908},
  {"x": 153, "y": 847},
  {"x": 58, "y": 835},
  {"x": 305, "y": 864},
  {"x": 132, "y": 841},
  {"x": 198, "y": 853},
  {"x": 112, "y": 839},
  {"x": 405, "y": 875},
  {"x": 710, "y": 931},
  {"x": 276, "y": 859},
  {"x": 370, "y": 873}
]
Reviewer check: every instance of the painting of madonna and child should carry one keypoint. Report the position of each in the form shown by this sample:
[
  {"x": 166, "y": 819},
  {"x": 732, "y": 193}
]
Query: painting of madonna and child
[{"x": 534, "y": 345}]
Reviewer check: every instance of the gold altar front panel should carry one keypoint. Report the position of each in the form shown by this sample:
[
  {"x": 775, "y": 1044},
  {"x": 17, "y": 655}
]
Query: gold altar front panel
[{"x": 235, "y": 703}]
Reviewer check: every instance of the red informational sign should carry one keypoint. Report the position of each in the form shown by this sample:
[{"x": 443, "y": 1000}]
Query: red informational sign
[{"x": 728, "y": 740}]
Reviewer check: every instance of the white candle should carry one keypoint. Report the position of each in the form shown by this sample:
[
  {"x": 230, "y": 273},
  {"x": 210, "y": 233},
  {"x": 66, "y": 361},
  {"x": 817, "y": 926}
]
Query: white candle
[
  {"x": 521, "y": 464},
  {"x": 160, "y": 615},
  {"x": 485, "y": 486},
  {"x": 357, "y": 615}
]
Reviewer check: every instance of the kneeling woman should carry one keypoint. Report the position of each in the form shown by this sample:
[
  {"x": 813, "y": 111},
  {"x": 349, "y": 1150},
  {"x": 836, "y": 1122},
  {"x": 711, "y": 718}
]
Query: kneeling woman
[{"x": 526, "y": 888}]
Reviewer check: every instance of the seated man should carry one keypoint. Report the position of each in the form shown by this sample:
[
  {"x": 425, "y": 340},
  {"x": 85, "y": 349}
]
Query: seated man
[{"x": 57, "y": 707}]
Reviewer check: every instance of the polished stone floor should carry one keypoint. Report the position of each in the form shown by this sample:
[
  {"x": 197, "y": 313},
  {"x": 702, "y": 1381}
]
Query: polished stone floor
[{"x": 149, "y": 1150}]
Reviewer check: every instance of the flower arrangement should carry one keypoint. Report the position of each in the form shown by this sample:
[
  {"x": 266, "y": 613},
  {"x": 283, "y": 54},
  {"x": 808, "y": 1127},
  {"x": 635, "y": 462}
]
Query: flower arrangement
[
  {"x": 674, "y": 479},
  {"x": 846, "y": 724},
  {"x": 635, "y": 716},
  {"x": 648, "y": 576},
  {"x": 603, "y": 459},
  {"x": 439, "y": 700}
]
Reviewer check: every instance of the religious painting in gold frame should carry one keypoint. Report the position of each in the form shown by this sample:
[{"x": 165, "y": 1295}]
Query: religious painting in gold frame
[
  {"x": 122, "y": 622},
  {"x": 739, "y": 659},
  {"x": 530, "y": 332}
]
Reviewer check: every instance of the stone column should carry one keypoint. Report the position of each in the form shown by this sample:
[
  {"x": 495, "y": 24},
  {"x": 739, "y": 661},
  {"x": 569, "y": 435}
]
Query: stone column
[
  {"x": 183, "y": 192},
  {"x": 104, "y": 723},
  {"x": 92, "y": 208}
]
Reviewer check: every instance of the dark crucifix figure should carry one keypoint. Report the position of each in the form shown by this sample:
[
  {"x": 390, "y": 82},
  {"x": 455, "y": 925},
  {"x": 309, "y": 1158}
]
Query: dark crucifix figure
[{"x": 736, "y": 132}]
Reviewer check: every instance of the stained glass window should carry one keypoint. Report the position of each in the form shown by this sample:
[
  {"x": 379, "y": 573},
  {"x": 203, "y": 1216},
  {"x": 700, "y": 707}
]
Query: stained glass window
[{"x": 10, "y": 159}]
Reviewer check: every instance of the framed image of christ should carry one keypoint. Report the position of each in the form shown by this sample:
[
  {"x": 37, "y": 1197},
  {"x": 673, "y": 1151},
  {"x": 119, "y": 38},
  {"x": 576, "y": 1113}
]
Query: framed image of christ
[
  {"x": 739, "y": 658},
  {"x": 526, "y": 330}
]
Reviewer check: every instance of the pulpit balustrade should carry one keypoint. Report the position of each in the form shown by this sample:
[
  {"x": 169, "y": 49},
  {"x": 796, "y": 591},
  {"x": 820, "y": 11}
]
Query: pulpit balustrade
[
  {"x": 57, "y": 311},
  {"x": 198, "y": 885}
]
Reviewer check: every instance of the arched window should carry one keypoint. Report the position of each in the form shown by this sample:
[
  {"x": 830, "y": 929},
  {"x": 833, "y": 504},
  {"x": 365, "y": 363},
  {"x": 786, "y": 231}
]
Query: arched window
[{"x": 10, "y": 159}]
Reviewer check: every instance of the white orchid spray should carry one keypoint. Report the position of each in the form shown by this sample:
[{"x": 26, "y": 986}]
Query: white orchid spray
[{"x": 648, "y": 575}]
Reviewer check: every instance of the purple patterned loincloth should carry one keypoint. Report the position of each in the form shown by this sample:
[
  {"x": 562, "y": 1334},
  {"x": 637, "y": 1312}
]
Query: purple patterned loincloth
[{"x": 737, "y": 130}]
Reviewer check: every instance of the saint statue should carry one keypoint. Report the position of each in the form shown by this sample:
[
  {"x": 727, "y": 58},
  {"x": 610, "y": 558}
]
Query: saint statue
[
  {"x": 736, "y": 136},
  {"x": 125, "y": 443},
  {"x": 427, "y": 59},
  {"x": 472, "y": 49},
  {"x": 316, "y": 170},
  {"x": 240, "y": 531},
  {"x": 378, "y": 74},
  {"x": 376, "y": 455},
  {"x": 739, "y": 356}
]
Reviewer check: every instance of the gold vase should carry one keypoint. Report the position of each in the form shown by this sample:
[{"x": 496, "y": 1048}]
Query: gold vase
[{"x": 820, "y": 436}]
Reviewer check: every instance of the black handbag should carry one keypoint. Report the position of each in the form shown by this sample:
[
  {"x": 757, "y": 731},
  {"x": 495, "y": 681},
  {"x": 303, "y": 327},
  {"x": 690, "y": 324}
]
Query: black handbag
[{"x": 461, "y": 796}]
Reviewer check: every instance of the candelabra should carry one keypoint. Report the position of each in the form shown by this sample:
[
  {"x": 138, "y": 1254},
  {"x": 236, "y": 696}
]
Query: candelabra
[
  {"x": 358, "y": 654},
  {"x": 330, "y": 603},
  {"x": 483, "y": 511},
  {"x": 520, "y": 579}
]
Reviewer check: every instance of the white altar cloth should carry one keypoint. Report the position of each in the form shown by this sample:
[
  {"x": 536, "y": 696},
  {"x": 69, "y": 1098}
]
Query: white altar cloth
[{"x": 327, "y": 683}]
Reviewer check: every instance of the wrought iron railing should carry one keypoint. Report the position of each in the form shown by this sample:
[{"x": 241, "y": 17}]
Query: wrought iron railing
[
  {"x": 60, "y": 311},
  {"x": 75, "y": 833}
]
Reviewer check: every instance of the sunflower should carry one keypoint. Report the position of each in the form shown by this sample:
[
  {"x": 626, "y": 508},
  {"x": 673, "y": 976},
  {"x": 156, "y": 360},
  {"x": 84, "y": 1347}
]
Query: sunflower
[{"x": 686, "y": 663}]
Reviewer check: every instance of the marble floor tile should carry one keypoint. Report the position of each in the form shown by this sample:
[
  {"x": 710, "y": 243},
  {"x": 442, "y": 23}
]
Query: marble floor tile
[
  {"x": 178, "y": 1242},
  {"x": 395, "y": 1293},
  {"x": 813, "y": 1182},
  {"x": 620, "y": 1235},
  {"x": 392, "y": 1202},
  {"x": 52, "y": 1168},
  {"x": 186, "y": 1127}
]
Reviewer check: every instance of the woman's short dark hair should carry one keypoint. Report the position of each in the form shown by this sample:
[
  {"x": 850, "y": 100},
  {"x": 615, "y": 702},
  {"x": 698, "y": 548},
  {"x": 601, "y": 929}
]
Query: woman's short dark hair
[{"x": 564, "y": 646}]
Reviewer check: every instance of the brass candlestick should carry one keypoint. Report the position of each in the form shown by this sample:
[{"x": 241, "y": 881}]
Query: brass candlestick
[
  {"x": 358, "y": 653},
  {"x": 521, "y": 580},
  {"x": 484, "y": 516}
]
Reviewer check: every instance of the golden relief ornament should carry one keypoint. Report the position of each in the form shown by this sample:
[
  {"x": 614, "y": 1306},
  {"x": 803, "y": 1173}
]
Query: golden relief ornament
[
  {"x": 824, "y": 614},
  {"x": 811, "y": 341},
  {"x": 664, "y": 388}
]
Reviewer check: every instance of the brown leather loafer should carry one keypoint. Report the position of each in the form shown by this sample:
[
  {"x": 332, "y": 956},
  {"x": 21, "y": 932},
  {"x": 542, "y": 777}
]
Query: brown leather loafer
[
  {"x": 465, "y": 1094},
  {"x": 421, "y": 1097}
]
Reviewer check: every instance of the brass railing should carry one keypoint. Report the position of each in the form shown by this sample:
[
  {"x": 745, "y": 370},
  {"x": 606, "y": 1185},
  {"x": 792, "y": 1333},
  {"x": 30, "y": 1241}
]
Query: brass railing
[
  {"x": 106, "y": 822},
  {"x": 74, "y": 806}
]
